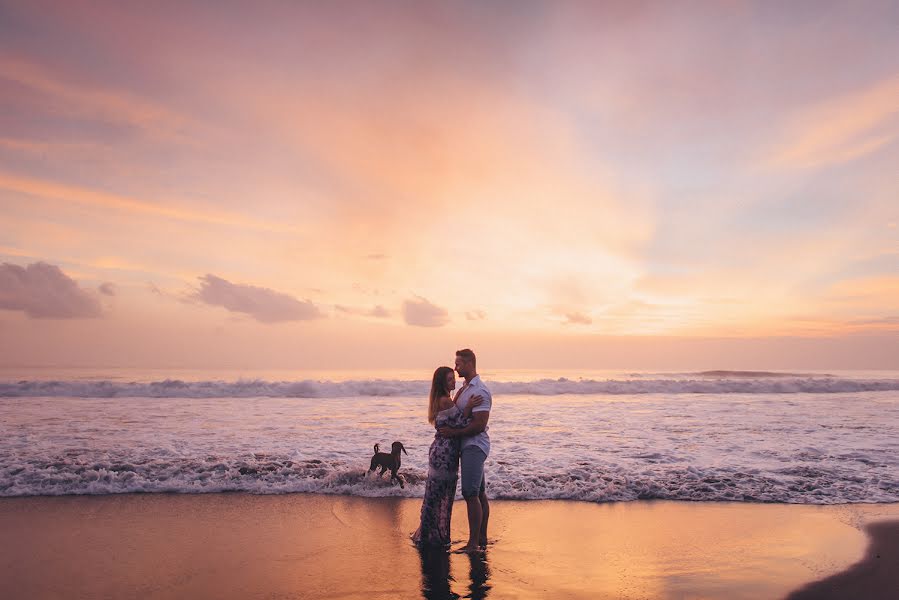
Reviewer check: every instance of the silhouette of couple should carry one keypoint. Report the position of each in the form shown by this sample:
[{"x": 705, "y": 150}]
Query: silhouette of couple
[{"x": 461, "y": 438}]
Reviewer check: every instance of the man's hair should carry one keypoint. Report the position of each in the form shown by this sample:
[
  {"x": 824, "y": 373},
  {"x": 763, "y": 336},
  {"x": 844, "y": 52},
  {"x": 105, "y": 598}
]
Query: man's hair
[{"x": 468, "y": 355}]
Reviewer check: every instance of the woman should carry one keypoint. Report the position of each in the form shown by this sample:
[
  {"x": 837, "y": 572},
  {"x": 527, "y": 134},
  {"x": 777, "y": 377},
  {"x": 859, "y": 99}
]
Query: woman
[{"x": 443, "y": 461}]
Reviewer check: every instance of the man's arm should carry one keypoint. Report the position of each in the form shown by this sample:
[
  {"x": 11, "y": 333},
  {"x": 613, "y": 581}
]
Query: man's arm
[{"x": 477, "y": 425}]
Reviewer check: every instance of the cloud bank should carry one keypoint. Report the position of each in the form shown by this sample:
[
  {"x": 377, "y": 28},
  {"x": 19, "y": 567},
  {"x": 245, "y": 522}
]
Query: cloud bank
[
  {"x": 263, "y": 304},
  {"x": 43, "y": 291}
]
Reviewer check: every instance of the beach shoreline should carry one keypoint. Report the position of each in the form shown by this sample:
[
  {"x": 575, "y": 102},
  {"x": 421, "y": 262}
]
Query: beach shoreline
[
  {"x": 239, "y": 545},
  {"x": 875, "y": 576}
]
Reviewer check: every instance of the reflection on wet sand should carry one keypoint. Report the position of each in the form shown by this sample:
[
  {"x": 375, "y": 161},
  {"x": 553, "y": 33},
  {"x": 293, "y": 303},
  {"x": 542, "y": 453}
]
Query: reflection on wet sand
[
  {"x": 436, "y": 575},
  {"x": 480, "y": 576},
  {"x": 313, "y": 546}
]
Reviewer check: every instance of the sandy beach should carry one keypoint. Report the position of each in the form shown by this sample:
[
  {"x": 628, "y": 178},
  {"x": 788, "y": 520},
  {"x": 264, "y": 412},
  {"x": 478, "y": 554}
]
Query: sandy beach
[
  {"x": 875, "y": 576},
  {"x": 317, "y": 546},
  {"x": 636, "y": 260}
]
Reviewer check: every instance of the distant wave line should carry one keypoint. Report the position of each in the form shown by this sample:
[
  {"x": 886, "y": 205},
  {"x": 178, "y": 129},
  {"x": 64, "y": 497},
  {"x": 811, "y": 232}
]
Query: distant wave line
[{"x": 254, "y": 388}]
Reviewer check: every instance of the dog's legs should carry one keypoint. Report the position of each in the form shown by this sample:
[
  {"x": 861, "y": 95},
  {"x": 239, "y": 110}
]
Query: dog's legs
[{"x": 397, "y": 478}]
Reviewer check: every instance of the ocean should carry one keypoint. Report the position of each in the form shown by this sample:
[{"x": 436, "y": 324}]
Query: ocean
[{"x": 598, "y": 436}]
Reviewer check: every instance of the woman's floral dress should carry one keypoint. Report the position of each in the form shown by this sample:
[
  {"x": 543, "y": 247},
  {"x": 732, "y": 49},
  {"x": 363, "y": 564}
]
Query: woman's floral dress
[{"x": 440, "y": 488}]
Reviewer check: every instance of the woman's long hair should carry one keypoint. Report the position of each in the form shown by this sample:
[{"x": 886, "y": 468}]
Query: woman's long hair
[{"x": 438, "y": 390}]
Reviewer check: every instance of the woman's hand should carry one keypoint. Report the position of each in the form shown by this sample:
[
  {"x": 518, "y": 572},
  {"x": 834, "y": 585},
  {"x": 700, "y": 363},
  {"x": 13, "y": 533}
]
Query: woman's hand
[{"x": 472, "y": 403}]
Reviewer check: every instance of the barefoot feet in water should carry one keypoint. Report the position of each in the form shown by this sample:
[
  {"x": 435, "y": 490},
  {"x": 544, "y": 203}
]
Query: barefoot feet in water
[{"x": 469, "y": 549}]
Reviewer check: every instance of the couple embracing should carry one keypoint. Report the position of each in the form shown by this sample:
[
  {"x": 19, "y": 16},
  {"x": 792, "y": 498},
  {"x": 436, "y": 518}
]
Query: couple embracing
[{"x": 461, "y": 422}]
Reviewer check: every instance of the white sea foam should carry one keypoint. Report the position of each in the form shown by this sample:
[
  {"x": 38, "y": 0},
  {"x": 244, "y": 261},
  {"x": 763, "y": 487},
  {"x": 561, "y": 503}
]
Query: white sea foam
[
  {"x": 798, "y": 448},
  {"x": 712, "y": 382}
]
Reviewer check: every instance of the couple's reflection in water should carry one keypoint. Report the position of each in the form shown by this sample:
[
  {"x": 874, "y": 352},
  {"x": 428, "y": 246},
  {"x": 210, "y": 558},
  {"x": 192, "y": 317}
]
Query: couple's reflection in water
[{"x": 436, "y": 576}]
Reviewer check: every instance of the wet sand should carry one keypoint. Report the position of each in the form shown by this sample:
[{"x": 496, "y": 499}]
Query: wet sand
[
  {"x": 312, "y": 546},
  {"x": 875, "y": 576}
]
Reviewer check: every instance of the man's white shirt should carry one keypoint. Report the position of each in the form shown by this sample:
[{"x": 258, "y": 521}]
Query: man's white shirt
[{"x": 476, "y": 387}]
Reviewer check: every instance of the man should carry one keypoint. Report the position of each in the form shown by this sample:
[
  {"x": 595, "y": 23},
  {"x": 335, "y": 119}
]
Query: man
[{"x": 475, "y": 448}]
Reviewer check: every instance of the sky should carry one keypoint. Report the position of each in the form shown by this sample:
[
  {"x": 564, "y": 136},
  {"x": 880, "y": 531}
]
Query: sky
[{"x": 351, "y": 184}]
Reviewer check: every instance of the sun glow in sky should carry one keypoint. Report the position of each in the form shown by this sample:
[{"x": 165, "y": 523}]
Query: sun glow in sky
[{"x": 296, "y": 184}]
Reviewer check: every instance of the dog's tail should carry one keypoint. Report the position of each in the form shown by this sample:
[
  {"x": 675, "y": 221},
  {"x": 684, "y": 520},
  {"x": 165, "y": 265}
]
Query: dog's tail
[{"x": 377, "y": 448}]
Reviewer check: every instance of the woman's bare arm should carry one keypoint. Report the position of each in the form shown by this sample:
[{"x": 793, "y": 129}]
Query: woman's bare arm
[{"x": 477, "y": 425}]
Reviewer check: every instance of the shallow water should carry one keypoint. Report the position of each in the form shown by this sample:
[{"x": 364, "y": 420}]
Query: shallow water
[{"x": 796, "y": 447}]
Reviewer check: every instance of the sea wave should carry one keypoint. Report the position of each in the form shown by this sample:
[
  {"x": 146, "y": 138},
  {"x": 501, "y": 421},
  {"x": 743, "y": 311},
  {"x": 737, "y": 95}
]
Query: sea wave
[
  {"x": 254, "y": 388},
  {"x": 79, "y": 474}
]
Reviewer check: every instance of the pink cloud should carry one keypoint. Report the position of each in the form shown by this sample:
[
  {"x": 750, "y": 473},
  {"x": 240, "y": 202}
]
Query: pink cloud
[
  {"x": 43, "y": 291},
  {"x": 378, "y": 311},
  {"x": 421, "y": 313},
  {"x": 576, "y": 318},
  {"x": 263, "y": 304}
]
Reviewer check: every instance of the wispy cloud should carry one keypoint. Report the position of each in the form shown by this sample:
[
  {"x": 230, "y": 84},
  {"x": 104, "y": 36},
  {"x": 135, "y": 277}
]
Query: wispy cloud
[
  {"x": 88, "y": 99},
  {"x": 877, "y": 295},
  {"x": 263, "y": 304},
  {"x": 43, "y": 147},
  {"x": 179, "y": 296},
  {"x": 378, "y": 311},
  {"x": 577, "y": 318},
  {"x": 841, "y": 129},
  {"x": 43, "y": 291},
  {"x": 138, "y": 208},
  {"x": 10, "y": 251},
  {"x": 883, "y": 322}
]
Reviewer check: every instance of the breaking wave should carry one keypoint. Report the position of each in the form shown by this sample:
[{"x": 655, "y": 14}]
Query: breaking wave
[{"x": 278, "y": 474}]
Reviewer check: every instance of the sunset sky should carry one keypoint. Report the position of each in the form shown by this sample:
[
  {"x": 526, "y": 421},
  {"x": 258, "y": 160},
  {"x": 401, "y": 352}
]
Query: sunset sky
[{"x": 342, "y": 184}]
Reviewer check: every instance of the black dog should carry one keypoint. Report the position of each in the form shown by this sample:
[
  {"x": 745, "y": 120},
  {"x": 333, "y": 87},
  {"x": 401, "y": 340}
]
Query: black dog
[{"x": 388, "y": 462}]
